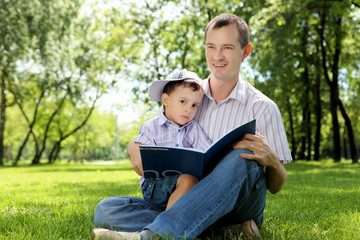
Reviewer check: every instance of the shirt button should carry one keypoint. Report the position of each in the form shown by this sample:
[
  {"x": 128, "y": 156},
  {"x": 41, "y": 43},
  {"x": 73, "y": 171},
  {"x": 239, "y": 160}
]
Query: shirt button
[
  {"x": 178, "y": 130},
  {"x": 176, "y": 145}
]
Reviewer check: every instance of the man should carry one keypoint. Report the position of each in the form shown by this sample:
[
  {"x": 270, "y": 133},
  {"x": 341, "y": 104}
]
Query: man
[{"x": 231, "y": 199}]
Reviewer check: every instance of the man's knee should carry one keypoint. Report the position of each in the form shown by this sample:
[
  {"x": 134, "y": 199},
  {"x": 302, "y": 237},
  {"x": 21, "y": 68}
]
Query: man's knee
[{"x": 233, "y": 161}]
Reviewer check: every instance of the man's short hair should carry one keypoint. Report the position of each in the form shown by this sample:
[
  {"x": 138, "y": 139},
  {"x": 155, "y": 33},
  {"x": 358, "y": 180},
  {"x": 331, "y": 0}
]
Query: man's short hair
[{"x": 226, "y": 19}]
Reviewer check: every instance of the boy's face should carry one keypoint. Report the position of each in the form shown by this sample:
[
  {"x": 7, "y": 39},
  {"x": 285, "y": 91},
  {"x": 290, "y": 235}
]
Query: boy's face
[{"x": 182, "y": 104}]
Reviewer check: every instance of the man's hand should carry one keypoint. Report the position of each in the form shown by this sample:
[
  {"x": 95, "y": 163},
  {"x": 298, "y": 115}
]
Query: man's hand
[
  {"x": 275, "y": 172},
  {"x": 133, "y": 151},
  {"x": 263, "y": 154}
]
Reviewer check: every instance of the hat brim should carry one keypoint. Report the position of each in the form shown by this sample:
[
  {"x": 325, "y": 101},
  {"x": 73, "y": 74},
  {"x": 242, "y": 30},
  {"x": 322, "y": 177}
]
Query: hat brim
[{"x": 156, "y": 90}]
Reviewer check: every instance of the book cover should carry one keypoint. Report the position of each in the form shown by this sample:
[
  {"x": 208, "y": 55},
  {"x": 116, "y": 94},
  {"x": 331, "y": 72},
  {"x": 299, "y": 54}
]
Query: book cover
[{"x": 165, "y": 161}]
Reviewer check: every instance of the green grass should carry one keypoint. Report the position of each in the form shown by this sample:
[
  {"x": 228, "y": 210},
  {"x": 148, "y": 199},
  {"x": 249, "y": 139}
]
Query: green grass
[{"x": 320, "y": 200}]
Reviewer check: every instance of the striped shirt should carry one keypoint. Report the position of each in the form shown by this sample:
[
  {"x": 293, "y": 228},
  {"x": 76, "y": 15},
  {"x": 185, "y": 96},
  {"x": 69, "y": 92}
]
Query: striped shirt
[
  {"x": 159, "y": 131},
  {"x": 244, "y": 104}
]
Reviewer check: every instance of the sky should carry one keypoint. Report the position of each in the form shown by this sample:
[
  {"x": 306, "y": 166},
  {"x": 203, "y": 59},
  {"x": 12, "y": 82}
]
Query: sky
[{"x": 119, "y": 102}]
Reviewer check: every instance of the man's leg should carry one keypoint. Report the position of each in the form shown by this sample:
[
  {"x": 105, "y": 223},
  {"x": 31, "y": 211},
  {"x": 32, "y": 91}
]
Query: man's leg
[
  {"x": 231, "y": 182},
  {"x": 128, "y": 214},
  {"x": 252, "y": 207}
]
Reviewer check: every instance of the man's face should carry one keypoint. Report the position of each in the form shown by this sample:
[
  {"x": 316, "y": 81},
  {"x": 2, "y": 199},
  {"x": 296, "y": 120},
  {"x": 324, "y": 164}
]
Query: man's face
[{"x": 224, "y": 53}]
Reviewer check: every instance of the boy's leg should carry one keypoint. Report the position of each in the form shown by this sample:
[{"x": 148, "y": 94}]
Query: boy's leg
[
  {"x": 128, "y": 214},
  {"x": 184, "y": 183},
  {"x": 231, "y": 183},
  {"x": 158, "y": 191}
]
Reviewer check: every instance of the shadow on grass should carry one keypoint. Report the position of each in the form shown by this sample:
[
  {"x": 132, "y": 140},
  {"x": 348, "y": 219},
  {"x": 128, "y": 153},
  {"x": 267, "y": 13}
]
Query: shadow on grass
[{"x": 72, "y": 168}]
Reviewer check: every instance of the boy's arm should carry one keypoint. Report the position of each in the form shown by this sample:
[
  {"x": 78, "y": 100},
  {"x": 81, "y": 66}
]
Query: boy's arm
[{"x": 133, "y": 151}]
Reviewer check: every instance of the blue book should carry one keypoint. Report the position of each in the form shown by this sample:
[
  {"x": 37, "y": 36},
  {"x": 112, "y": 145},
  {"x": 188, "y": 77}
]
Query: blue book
[{"x": 165, "y": 161}]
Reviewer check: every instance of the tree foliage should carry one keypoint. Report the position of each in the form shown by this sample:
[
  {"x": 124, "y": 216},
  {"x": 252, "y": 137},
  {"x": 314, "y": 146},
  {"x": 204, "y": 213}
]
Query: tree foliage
[{"x": 57, "y": 58}]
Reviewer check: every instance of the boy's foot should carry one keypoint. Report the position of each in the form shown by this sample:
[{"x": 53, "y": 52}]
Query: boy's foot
[
  {"x": 247, "y": 229},
  {"x": 106, "y": 234}
]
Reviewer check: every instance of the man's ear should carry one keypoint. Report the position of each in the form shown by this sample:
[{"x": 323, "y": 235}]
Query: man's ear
[
  {"x": 165, "y": 99},
  {"x": 247, "y": 51}
]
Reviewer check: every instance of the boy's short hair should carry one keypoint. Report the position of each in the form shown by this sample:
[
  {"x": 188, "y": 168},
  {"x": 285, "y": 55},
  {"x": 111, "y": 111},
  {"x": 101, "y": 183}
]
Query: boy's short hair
[{"x": 188, "y": 83}]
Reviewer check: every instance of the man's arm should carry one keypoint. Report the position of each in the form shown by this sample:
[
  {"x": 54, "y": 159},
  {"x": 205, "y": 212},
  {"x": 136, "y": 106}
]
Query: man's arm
[
  {"x": 133, "y": 151},
  {"x": 275, "y": 171}
]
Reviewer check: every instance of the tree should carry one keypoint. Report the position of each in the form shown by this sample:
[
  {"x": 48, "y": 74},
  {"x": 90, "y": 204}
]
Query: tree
[
  {"x": 296, "y": 35},
  {"x": 63, "y": 57},
  {"x": 13, "y": 38},
  {"x": 331, "y": 52}
]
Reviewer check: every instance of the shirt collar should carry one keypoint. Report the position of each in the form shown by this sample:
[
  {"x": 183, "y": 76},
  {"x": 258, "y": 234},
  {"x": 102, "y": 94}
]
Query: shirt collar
[
  {"x": 163, "y": 120},
  {"x": 238, "y": 93}
]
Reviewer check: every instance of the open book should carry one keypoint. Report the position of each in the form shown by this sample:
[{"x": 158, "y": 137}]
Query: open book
[{"x": 165, "y": 161}]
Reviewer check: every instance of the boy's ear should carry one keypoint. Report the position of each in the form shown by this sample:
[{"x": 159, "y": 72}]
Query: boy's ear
[{"x": 165, "y": 99}]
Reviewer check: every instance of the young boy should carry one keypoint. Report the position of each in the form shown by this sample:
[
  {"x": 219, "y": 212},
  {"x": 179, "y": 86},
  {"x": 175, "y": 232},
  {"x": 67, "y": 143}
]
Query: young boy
[{"x": 180, "y": 93}]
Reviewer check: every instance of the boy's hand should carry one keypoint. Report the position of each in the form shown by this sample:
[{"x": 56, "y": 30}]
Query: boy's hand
[{"x": 133, "y": 151}]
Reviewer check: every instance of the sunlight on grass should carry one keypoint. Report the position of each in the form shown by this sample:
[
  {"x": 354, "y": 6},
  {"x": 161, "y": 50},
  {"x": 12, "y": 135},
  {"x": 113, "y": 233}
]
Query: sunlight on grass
[
  {"x": 320, "y": 200},
  {"x": 58, "y": 202}
]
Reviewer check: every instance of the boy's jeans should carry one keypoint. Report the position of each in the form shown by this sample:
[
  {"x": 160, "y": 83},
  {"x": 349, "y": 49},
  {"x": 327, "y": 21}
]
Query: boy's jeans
[
  {"x": 157, "y": 191},
  {"x": 232, "y": 193}
]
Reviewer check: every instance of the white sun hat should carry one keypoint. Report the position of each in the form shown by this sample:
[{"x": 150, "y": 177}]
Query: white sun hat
[{"x": 157, "y": 87}]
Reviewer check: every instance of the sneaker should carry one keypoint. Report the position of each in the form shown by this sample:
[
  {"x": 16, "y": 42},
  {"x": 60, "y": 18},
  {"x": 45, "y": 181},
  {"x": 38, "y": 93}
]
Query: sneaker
[
  {"x": 106, "y": 234},
  {"x": 248, "y": 229}
]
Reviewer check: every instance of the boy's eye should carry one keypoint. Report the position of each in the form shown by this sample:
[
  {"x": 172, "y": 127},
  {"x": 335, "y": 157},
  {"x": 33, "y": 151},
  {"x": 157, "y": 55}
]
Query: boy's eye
[
  {"x": 195, "y": 105},
  {"x": 182, "y": 101}
]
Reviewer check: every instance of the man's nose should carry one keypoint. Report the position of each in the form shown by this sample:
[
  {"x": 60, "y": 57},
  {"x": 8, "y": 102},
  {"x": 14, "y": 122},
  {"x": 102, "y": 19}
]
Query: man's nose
[{"x": 218, "y": 55}]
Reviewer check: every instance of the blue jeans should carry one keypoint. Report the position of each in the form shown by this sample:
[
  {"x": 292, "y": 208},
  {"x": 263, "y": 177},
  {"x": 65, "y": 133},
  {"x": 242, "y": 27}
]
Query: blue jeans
[
  {"x": 158, "y": 191},
  {"x": 232, "y": 193}
]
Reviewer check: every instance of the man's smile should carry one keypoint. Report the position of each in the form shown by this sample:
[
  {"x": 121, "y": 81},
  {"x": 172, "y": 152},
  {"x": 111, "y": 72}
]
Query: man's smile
[{"x": 219, "y": 65}]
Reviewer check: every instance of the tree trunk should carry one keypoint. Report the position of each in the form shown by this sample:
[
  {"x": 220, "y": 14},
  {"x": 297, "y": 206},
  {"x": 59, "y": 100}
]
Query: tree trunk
[
  {"x": 31, "y": 125},
  {"x": 303, "y": 138},
  {"x": 57, "y": 145},
  {"x": 308, "y": 134},
  {"x": 333, "y": 91},
  {"x": 353, "y": 151},
  {"x": 2, "y": 115},
  {"x": 37, "y": 157},
  {"x": 306, "y": 139},
  {"x": 293, "y": 143},
  {"x": 318, "y": 105},
  {"x": 335, "y": 123},
  {"x": 345, "y": 145},
  {"x": 335, "y": 70}
]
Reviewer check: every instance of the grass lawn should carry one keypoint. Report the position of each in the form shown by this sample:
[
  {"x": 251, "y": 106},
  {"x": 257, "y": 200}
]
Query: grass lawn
[{"x": 320, "y": 200}]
